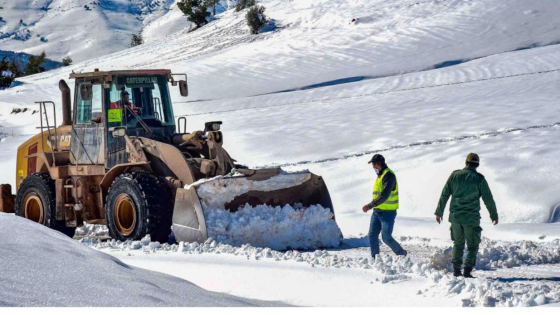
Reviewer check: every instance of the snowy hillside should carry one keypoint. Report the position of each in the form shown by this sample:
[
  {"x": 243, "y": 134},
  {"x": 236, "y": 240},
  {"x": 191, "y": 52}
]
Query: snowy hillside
[{"x": 84, "y": 29}]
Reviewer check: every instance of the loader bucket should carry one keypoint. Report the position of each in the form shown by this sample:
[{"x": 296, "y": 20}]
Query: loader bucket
[{"x": 195, "y": 203}]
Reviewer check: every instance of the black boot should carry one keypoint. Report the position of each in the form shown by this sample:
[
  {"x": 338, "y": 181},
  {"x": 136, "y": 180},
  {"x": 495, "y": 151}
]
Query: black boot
[
  {"x": 468, "y": 271},
  {"x": 457, "y": 272}
]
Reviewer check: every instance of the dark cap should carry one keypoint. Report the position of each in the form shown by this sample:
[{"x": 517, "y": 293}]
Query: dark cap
[
  {"x": 473, "y": 158},
  {"x": 377, "y": 159}
]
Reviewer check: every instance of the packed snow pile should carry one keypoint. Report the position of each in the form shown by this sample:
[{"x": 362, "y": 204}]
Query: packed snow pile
[
  {"x": 277, "y": 227},
  {"x": 280, "y": 228},
  {"x": 92, "y": 230},
  {"x": 42, "y": 267}
]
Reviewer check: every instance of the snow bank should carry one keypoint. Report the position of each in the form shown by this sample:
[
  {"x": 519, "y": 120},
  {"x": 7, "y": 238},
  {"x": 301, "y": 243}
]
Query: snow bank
[
  {"x": 279, "y": 228},
  {"x": 41, "y": 267}
]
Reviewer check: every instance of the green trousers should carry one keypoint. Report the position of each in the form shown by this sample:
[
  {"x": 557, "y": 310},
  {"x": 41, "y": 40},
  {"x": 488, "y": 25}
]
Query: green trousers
[{"x": 461, "y": 234}]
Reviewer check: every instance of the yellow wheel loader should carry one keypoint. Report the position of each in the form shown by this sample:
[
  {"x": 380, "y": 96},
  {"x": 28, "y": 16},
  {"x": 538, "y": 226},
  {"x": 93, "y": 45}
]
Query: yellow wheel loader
[{"x": 119, "y": 158}]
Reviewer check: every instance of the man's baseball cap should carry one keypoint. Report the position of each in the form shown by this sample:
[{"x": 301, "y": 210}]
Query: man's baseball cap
[
  {"x": 377, "y": 159},
  {"x": 473, "y": 158}
]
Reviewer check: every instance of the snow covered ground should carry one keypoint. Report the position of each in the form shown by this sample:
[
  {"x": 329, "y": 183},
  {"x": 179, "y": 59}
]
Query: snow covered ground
[
  {"x": 422, "y": 82},
  {"x": 349, "y": 277}
]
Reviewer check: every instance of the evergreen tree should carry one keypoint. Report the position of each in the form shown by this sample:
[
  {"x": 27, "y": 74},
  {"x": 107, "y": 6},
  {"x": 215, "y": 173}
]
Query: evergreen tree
[
  {"x": 34, "y": 64},
  {"x": 244, "y": 4},
  {"x": 137, "y": 39},
  {"x": 66, "y": 61},
  {"x": 14, "y": 68},
  {"x": 255, "y": 18},
  {"x": 6, "y": 75},
  {"x": 196, "y": 10}
]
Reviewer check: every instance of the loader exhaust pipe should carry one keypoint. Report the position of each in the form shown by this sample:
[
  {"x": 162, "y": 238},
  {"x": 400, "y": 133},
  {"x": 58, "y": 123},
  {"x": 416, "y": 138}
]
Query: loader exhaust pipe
[{"x": 66, "y": 108}]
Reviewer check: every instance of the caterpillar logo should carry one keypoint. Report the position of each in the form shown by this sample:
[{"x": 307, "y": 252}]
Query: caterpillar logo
[
  {"x": 65, "y": 140},
  {"x": 140, "y": 80}
]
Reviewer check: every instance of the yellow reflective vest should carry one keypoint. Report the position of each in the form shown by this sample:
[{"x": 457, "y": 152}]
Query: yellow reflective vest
[{"x": 392, "y": 203}]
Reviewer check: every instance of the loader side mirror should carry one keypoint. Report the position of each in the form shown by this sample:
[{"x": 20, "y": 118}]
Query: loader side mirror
[
  {"x": 212, "y": 126},
  {"x": 183, "y": 88},
  {"x": 119, "y": 131}
]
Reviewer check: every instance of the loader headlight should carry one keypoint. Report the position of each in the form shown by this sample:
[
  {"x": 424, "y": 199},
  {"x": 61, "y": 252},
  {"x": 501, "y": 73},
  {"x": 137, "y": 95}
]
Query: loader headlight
[{"x": 212, "y": 126}]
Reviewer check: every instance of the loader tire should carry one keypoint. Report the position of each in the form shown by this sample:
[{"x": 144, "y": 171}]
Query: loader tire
[
  {"x": 36, "y": 201},
  {"x": 138, "y": 204}
]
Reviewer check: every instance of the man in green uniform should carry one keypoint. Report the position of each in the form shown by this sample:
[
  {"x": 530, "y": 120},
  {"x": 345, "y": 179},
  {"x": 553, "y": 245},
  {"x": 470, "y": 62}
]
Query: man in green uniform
[{"x": 466, "y": 187}]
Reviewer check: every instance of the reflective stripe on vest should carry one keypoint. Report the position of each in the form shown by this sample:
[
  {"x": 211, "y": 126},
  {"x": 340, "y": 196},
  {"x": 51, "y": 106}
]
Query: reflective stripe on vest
[{"x": 392, "y": 203}]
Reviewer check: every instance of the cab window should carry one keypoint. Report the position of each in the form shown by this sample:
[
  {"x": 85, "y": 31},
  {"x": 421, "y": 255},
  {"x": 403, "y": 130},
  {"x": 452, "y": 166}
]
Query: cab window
[
  {"x": 139, "y": 97},
  {"x": 89, "y": 104}
]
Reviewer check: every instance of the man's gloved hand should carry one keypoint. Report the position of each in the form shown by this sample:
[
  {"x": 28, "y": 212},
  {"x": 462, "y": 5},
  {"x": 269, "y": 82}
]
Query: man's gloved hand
[
  {"x": 365, "y": 208},
  {"x": 438, "y": 219},
  {"x": 495, "y": 222}
]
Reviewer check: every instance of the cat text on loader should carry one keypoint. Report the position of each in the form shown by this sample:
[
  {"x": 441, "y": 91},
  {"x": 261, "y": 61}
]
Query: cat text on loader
[{"x": 119, "y": 158}]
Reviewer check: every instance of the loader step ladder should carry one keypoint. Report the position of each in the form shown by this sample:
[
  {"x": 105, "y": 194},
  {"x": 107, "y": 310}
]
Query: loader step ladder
[{"x": 48, "y": 127}]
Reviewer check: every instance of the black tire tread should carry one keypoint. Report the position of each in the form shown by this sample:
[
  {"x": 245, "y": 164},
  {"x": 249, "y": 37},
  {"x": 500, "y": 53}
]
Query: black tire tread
[
  {"x": 46, "y": 186},
  {"x": 156, "y": 197}
]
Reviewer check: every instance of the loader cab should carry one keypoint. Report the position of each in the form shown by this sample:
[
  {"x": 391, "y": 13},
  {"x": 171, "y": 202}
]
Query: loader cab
[
  {"x": 136, "y": 100},
  {"x": 142, "y": 104}
]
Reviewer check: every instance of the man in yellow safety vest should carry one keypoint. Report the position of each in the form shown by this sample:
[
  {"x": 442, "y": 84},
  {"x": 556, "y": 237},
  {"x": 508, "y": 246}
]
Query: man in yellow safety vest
[{"x": 384, "y": 204}]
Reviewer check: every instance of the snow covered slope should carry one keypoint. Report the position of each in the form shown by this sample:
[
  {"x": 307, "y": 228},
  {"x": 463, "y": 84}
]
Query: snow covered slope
[
  {"x": 41, "y": 267},
  {"x": 84, "y": 29},
  {"x": 424, "y": 82}
]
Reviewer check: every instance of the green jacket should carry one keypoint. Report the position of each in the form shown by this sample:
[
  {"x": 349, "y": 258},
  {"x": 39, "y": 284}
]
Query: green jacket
[{"x": 466, "y": 187}]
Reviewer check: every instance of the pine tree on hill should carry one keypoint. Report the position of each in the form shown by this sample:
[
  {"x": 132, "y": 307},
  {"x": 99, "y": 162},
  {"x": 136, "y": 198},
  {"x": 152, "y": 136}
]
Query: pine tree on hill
[
  {"x": 34, "y": 64},
  {"x": 66, "y": 61},
  {"x": 137, "y": 39},
  {"x": 196, "y": 11},
  {"x": 6, "y": 74},
  {"x": 255, "y": 18}
]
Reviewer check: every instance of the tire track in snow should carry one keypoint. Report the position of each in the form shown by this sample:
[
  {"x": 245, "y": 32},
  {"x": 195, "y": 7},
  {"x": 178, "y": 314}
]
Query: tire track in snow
[
  {"x": 414, "y": 144},
  {"x": 324, "y": 100}
]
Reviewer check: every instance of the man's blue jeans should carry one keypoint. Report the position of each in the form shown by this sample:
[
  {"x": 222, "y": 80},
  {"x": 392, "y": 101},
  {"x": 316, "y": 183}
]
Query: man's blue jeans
[{"x": 383, "y": 222}]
